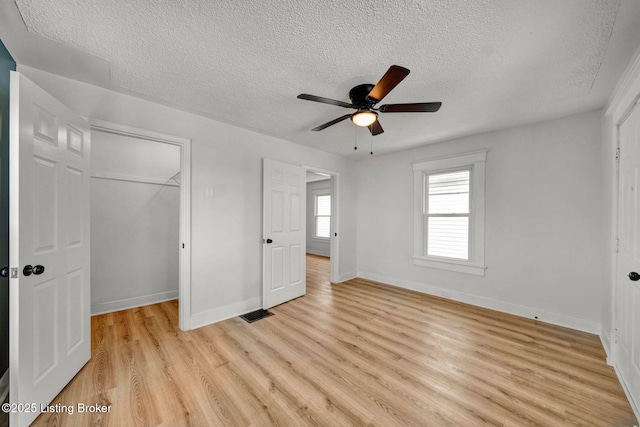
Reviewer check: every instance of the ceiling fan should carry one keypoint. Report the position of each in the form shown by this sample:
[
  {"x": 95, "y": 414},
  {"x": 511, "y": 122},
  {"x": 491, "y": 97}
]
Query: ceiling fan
[{"x": 364, "y": 97}]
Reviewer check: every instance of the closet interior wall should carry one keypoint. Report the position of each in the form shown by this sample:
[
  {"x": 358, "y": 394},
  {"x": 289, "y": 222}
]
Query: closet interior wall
[{"x": 135, "y": 202}]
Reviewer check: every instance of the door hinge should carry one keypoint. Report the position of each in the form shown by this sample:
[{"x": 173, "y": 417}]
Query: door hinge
[
  {"x": 618, "y": 155},
  {"x": 617, "y": 245},
  {"x": 14, "y": 272},
  {"x": 614, "y": 335}
]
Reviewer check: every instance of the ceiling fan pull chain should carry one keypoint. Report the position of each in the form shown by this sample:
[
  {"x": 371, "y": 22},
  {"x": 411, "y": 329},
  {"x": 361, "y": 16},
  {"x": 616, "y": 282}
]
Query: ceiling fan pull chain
[
  {"x": 355, "y": 139},
  {"x": 371, "y": 143}
]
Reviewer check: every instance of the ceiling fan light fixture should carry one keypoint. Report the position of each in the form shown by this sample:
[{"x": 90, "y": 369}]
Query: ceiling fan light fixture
[{"x": 364, "y": 118}]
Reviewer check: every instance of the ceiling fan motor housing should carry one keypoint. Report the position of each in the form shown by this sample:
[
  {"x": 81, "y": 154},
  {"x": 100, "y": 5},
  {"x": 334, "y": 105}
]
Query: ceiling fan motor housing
[{"x": 358, "y": 96}]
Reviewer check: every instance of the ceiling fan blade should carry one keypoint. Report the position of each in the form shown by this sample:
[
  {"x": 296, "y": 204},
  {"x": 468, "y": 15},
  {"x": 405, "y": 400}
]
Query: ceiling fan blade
[
  {"x": 394, "y": 75},
  {"x": 331, "y": 123},
  {"x": 324, "y": 100},
  {"x": 375, "y": 128},
  {"x": 418, "y": 107}
]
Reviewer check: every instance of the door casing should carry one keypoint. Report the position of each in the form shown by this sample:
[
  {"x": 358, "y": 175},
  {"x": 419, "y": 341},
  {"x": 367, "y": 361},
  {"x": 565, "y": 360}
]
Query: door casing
[
  {"x": 185, "y": 205},
  {"x": 623, "y": 102},
  {"x": 334, "y": 247}
]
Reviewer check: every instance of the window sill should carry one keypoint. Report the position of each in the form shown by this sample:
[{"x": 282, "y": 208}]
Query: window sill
[
  {"x": 321, "y": 239},
  {"x": 451, "y": 265}
]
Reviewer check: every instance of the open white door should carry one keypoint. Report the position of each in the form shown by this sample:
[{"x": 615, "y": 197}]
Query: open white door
[
  {"x": 284, "y": 233},
  {"x": 49, "y": 316},
  {"x": 628, "y": 286}
]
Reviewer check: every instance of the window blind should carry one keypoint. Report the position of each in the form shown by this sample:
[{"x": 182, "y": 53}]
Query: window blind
[
  {"x": 323, "y": 216},
  {"x": 323, "y": 205},
  {"x": 322, "y": 226},
  {"x": 447, "y": 214}
]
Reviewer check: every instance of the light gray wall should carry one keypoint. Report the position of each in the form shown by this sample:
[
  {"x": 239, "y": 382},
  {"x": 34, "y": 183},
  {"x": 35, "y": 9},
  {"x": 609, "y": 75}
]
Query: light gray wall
[
  {"x": 134, "y": 225},
  {"x": 543, "y": 222},
  {"x": 226, "y": 230},
  {"x": 316, "y": 246}
]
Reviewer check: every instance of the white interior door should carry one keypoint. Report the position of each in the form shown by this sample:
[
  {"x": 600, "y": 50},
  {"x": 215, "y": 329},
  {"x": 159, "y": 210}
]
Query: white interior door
[
  {"x": 628, "y": 289},
  {"x": 284, "y": 232},
  {"x": 49, "y": 317}
]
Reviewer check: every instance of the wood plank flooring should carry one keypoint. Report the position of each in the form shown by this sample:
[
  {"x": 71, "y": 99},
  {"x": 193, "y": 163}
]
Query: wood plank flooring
[{"x": 354, "y": 354}]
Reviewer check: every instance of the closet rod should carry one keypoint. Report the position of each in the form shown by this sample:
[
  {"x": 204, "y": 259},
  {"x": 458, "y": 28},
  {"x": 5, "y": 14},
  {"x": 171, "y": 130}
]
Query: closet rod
[{"x": 128, "y": 178}]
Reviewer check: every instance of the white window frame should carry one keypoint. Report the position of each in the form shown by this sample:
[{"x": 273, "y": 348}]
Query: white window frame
[
  {"x": 316, "y": 193},
  {"x": 475, "y": 162}
]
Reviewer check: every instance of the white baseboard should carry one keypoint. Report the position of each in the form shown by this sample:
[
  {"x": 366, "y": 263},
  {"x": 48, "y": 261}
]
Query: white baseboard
[
  {"x": 123, "y": 304},
  {"x": 493, "y": 304},
  {"x": 321, "y": 253},
  {"x": 606, "y": 344},
  {"x": 222, "y": 313},
  {"x": 4, "y": 385},
  {"x": 347, "y": 276}
]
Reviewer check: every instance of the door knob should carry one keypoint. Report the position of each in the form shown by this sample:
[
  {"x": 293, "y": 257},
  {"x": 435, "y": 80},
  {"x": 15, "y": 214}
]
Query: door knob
[
  {"x": 4, "y": 272},
  {"x": 269, "y": 241},
  {"x": 29, "y": 269},
  {"x": 634, "y": 276}
]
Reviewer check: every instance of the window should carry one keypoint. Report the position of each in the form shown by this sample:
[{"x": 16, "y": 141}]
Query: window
[
  {"x": 322, "y": 215},
  {"x": 449, "y": 213}
]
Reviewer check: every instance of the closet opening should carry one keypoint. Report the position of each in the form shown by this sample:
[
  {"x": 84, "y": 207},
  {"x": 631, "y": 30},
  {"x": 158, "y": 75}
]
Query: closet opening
[{"x": 139, "y": 219}]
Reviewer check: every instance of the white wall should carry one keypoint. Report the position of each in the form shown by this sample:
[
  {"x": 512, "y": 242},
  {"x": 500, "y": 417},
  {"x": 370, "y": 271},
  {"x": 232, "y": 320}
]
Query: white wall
[
  {"x": 609, "y": 202},
  {"x": 314, "y": 245},
  {"x": 134, "y": 225},
  {"x": 128, "y": 155},
  {"x": 543, "y": 222},
  {"x": 227, "y": 229}
]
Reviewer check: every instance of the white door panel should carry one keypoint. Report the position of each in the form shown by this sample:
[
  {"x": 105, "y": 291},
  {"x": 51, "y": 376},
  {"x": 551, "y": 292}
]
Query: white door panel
[
  {"x": 284, "y": 209},
  {"x": 628, "y": 291},
  {"x": 49, "y": 226}
]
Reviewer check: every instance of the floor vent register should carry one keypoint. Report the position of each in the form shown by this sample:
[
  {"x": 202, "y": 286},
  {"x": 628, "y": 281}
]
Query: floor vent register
[{"x": 256, "y": 315}]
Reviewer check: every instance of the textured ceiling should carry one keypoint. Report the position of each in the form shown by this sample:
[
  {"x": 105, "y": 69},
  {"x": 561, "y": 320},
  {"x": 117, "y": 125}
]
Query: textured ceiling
[{"x": 493, "y": 63}]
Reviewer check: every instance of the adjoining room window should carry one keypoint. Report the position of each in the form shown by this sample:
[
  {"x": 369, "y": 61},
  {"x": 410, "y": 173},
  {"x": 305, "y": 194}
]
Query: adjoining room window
[
  {"x": 323, "y": 215},
  {"x": 449, "y": 213}
]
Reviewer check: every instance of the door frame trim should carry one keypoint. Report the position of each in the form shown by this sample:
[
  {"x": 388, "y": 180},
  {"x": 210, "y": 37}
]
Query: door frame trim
[
  {"x": 334, "y": 247},
  {"x": 625, "y": 97},
  {"x": 184, "y": 288},
  {"x": 615, "y": 268}
]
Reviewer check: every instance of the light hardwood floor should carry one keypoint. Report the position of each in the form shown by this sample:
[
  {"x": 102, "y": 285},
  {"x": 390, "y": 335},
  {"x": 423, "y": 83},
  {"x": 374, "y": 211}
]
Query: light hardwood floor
[{"x": 353, "y": 354}]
